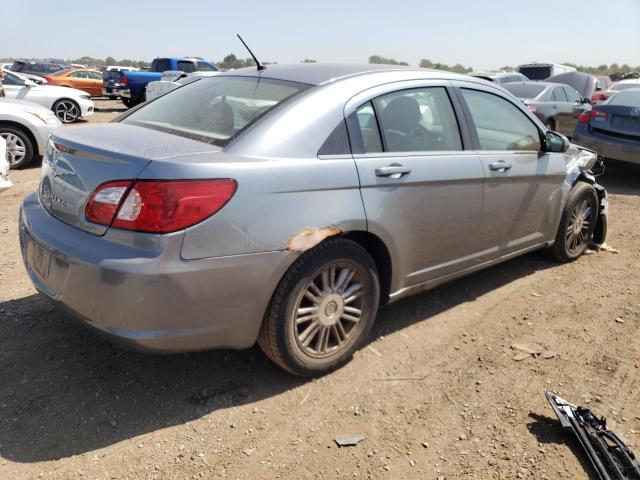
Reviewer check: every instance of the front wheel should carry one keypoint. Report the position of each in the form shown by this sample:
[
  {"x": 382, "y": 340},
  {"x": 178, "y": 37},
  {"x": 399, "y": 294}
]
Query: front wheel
[
  {"x": 577, "y": 223},
  {"x": 19, "y": 146},
  {"x": 66, "y": 110},
  {"x": 322, "y": 310}
]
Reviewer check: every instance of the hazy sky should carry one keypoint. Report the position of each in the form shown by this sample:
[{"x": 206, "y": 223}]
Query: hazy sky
[{"x": 477, "y": 33}]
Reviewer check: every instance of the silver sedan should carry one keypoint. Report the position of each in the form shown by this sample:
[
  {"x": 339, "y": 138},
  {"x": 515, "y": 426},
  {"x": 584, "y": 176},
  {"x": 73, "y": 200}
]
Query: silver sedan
[{"x": 285, "y": 205}]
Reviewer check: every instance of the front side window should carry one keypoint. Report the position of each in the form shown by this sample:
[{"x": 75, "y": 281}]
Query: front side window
[
  {"x": 10, "y": 79},
  {"x": 500, "y": 125},
  {"x": 215, "y": 109},
  {"x": 418, "y": 120},
  {"x": 206, "y": 67},
  {"x": 572, "y": 94},
  {"x": 78, "y": 75}
]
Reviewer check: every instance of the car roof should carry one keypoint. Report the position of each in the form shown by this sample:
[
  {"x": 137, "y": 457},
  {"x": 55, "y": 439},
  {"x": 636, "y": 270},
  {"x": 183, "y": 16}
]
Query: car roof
[
  {"x": 544, "y": 84},
  {"x": 319, "y": 73},
  {"x": 495, "y": 74}
]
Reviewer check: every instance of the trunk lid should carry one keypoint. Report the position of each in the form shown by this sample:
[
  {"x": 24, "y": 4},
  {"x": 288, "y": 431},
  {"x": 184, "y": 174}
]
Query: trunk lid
[
  {"x": 621, "y": 122},
  {"x": 79, "y": 159}
]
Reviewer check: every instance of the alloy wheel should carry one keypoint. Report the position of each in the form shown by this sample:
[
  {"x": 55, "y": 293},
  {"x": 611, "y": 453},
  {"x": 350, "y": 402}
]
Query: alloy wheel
[
  {"x": 16, "y": 148},
  {"x": 328, "y": 312},
  {"x": 579, "y": 227},
  {"x": 67, "y": 111}
]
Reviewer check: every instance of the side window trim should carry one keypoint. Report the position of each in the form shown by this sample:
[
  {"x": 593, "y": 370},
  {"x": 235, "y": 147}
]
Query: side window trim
[
  {"x": 471, "y": 124},
  {"x": 376, "y": 115}
]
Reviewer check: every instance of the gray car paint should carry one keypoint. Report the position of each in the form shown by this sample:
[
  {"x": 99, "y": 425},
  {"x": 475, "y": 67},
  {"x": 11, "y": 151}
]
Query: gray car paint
[{"x": 209, "y": 286}]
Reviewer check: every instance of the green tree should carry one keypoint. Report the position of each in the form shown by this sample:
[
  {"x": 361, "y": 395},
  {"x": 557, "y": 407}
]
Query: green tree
[
  {"x": 385, "y": 61},
  {"x": 110, "y": 61},
  {"x": 426, "y": 63}
]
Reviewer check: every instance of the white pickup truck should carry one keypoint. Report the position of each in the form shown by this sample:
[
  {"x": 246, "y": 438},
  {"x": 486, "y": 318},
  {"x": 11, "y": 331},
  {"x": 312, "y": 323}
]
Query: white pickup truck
[{"x": 172, "y": 79}]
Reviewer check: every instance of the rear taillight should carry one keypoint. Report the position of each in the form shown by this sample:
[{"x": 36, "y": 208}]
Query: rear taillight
[
  {"x": 158, "y": 206},
  {"x": 124, "y": 81},
  {"x": 597, "y": 114},
  {"x": 598, "y": 97}
]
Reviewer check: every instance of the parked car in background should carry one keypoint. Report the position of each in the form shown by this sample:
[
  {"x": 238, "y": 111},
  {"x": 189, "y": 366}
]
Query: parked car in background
[
  {"x": 89, "y": 81},
  {"x": 584, "y": 83},
  {"x": 111, "y": 80},
  {"x": 612, "y": 128},
  {"x": 619, "y": 87},
  {"x": 172, "y": 80},
  {"x": 37, "y": 67},
  {"x": 501, "y": 77},
  {"x": 134, "y": 84},
  {"x": 25, "y": 127},
  {"x": 178, "y": 220},
  {"x": 558, "y": 106},
  {"x": 119, "y": 68},
  {"x": 604, "y": 84},
  {"x": 5, "y": 183},
  {"x": 542, "y": 71},
  {"x": 69, "y": 104}
]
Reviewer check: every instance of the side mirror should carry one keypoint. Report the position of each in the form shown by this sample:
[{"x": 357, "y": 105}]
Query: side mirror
[{"x": 555, "y": 142}]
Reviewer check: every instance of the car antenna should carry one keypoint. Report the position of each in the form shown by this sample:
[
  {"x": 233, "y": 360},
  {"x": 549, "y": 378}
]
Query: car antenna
[{"x": 260, "y": 66}]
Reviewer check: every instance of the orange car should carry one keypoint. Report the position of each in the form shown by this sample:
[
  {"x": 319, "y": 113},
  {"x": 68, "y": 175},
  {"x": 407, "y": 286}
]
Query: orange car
[{"x": 89, "y": 81}]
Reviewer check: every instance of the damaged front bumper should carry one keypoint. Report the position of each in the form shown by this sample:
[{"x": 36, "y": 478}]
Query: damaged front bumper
[{"x": 610, "y": 457}]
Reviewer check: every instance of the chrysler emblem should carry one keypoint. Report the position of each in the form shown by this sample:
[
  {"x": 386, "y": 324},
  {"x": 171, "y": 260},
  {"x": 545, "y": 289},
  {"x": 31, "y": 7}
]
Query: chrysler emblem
[{"x": 635, "y": 112}]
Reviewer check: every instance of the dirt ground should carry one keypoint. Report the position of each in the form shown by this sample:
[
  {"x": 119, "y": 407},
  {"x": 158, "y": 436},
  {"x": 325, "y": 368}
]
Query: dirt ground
[{"x": 437, "y": 391}]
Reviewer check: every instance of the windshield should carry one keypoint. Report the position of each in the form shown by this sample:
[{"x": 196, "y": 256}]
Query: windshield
[
  {"x": 524, "y": 90},
  {"x": 214, "y": 109},
  {"x": 624, "y": 86}
]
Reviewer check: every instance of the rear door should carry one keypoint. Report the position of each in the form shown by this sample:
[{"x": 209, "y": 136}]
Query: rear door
[
  {"x": 422, "y": 190},
  {"x": 523, "y": 191}
]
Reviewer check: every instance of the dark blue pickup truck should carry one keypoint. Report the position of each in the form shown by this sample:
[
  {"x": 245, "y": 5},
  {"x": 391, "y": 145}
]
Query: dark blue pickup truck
[{"x": 133, "y": 84}]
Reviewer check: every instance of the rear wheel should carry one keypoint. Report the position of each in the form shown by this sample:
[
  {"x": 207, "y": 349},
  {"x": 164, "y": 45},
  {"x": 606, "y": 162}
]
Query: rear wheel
[
  {"x": 19, "y": 146},
  {"x": 577, "y": 223},
  {"x": 322, "y": 310},
  {"x": 66, "y": 110}
]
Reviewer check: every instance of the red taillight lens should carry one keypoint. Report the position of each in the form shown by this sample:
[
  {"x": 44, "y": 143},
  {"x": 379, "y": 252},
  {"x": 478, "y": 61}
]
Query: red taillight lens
[
  {"x": 598, "y": 97},
  {"x": 163, "y": 206},
  {"x": 124, "y": 81},
  {"x": 105, "y": 201},
  {"x": 597, "y": 114}
]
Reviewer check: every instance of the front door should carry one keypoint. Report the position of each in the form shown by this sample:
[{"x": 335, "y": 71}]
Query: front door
[
  {"x": 421, "y": 189},
  {"x": 523, "y": 191}
]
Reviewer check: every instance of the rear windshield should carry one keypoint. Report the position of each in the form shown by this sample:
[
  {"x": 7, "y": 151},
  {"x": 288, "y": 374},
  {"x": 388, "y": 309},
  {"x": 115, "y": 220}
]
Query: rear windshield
[
  {"x": 216, "y": 109},
  {"x": 524, "y": 90},
  {"x": 624, "y": 86},
  {"x": 536, "y": 73},
  {"x": 627, "y": 99}
]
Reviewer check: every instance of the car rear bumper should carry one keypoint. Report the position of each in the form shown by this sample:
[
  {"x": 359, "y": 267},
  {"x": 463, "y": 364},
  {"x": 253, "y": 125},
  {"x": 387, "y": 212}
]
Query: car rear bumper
[
  {"x": 609, "y": 148},
  {"x": 122, "y": 92},
  {"x": 142, "y": 293}
]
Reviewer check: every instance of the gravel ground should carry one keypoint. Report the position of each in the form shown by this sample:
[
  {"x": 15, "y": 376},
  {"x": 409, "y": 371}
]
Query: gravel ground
[{"x": 437, "y": 391}]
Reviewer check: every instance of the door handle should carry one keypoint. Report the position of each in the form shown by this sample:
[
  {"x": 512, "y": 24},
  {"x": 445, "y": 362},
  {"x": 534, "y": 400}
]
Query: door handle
[
  {"x": 500, "y": 166},
  {"x": 395, "y": 170},
  {"x": 554, "y": 106}
]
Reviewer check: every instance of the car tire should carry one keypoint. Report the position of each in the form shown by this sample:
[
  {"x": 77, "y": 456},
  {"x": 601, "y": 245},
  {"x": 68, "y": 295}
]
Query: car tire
[
  {"x": 577, "y": 224},
  {"x": 322, "y": 310},
  {"x": 19, "y": 146},
  {"x": 67, "y": 110},
  {"x": 128, "y": 102}
]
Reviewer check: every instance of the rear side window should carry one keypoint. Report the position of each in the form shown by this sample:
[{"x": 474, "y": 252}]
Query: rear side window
[
  {"x": 500, "y": 125},
  {"x": 418, "y": 120},
  {"x": 17, "y": 66},
  {"x": 9, "y": 79},
  {"x": 557, "y": 95},
  {"x": 161, "y": 65},
  {"x": 79, "y": 75},
  {"x": 187, "y": 67}
]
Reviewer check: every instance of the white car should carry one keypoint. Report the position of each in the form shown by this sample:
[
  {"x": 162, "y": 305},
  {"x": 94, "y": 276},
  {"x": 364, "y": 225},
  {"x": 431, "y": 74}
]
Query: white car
[
  {"x": 69, "y": 104},
  {"x": 4, "y": 166},
  {"x": 171, "y": 80},
  {"x": 25, "y": 127}
]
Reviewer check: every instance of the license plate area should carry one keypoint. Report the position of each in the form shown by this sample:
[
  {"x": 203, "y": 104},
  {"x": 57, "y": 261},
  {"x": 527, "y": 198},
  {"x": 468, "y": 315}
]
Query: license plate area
[{"x": 51, "y": 271}]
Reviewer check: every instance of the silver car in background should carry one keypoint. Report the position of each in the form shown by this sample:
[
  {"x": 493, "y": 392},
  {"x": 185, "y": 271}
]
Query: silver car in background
[{"x": 285, "y": 205}]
